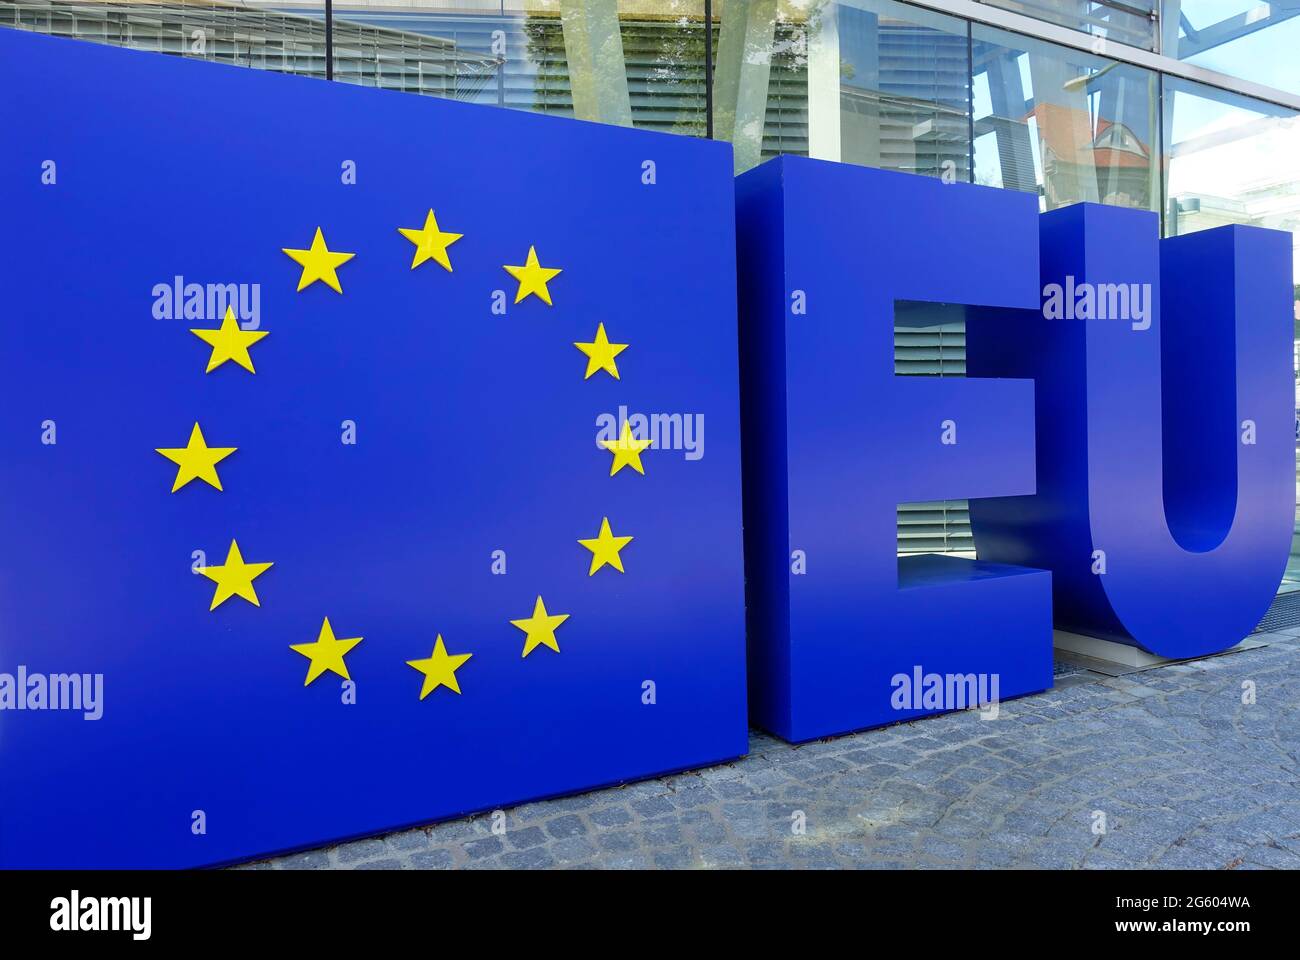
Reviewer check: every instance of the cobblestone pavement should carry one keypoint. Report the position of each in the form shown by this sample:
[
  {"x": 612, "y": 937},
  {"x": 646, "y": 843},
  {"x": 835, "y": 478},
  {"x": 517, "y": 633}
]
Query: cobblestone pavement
[{"x": 1184, "y": 772}]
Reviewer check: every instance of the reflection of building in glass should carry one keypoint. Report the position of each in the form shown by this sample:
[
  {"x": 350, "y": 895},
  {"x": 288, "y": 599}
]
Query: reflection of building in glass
[
  {"x": 870, "y": 90},
  {"x": 1233, "y": 166},
  {"x": 266, "y": 39},
  {"x": 907, "y": 109},
  {"x": 1272, "y": 201},
  {"x": 1066, "y": 125},
  {"x": 512, "y": 59},
  {"x": 1123, "y": 163},
  {"x": 1128, "y": 21},
  {"x": 1077, "y": 147}
]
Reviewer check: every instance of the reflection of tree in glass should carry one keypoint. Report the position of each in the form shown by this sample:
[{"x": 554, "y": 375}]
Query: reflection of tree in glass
[
  {"x": 785, "y": 129},
  {"x": 666, "y": 67},
  {"x": 546, "y": 51},
  {"x": 664, "y": 54}
]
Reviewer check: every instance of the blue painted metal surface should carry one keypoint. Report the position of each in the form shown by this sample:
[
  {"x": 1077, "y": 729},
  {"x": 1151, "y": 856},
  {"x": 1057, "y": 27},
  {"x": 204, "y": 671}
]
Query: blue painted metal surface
[
  {"x": 475, "y": 433},
  {"x": 829, "y": 256},
  {"x": 1165, "y": 453}
]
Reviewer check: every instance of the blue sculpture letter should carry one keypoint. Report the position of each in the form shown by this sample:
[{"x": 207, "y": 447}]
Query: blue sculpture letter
[
  {"x": 842, "y": 633},
  {"x": 1165, "y": 498}
]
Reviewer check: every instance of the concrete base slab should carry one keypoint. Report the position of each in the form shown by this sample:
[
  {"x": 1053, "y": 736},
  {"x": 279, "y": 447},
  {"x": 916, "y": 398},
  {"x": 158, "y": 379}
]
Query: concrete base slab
[
  {"x": 1107, "y": 651},
  {"x": 1116, "y": 659}
]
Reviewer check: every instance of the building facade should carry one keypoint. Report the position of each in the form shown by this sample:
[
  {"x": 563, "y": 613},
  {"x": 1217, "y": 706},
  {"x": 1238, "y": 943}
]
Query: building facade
[{"x": 1187, "y": 108}]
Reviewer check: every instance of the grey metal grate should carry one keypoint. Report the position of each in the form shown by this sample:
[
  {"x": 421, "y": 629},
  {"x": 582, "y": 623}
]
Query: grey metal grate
[
  {"x": 1283, "y": 612},
  {"x": 1061, "y": 668}
]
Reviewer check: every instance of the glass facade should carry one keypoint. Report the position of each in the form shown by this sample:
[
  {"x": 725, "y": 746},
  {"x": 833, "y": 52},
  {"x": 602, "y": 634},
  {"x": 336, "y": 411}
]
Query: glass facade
[
  {"x": 1242, "y": 38},
  {"x": 1063, "y": 124},
  {"x": 1109, "y": 102},
  {"x": 1124, "y": 21},
  {"x": 252, "y": 34},
  {"x": 631, "y": 63}
]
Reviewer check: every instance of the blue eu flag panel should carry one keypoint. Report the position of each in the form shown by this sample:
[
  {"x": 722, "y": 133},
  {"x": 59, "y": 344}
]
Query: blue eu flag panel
[{"x": 353, "y": 463}]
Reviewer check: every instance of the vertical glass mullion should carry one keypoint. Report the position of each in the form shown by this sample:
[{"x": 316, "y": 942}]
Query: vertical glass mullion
[
  {"x": 970, "y": 105},
  {"x": 329, "y": 39},
  {"x": 708, "y": 69}
]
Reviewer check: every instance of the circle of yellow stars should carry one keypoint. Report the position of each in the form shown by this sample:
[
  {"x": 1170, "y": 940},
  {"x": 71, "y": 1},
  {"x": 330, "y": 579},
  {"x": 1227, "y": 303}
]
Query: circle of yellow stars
[{"x": 197, "y": 460}]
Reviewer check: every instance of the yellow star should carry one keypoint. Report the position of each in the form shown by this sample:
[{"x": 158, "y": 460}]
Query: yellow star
[
  {"x": 235, "y": 577},
  {"x": 540, "y": 628},
  {"x": 439, "y": 669},
  {"x": 604, "y": 549},
  {"x": 319, "y": 263},
  {"x": 430, "y": 242},
  {"x": 601, "y": 353},
  {"x": 326, "y": 653},
  {"x": 627, "y": 451},
  {"x": 532, "y": 277},
  {"x": 196, "y": 460},
  {"x": 230, "y": 342}
]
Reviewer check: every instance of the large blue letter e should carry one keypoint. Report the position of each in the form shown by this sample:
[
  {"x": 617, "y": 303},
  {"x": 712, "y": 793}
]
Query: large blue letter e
[{"x": 842, "y": 633}]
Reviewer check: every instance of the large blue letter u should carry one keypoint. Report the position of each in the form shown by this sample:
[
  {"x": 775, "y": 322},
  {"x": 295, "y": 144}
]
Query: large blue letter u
[{"x": 1164, "y": 428}]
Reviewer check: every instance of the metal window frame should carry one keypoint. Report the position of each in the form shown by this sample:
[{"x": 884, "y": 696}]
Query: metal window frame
[{"x": 977, "y": 12}]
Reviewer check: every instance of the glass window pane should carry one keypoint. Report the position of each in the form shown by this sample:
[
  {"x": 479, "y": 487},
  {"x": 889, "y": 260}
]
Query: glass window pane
[
  {"x": 1242, "y": 38},
  {"x": 1124, "y": 21},
  {"x": 287, "y": 37},
  {"x": 1062, "y": 123},
  {"x": 1233, "y": 160},
  {"x": 628, "y": 62},
  {"x": 867, "y": 81}
]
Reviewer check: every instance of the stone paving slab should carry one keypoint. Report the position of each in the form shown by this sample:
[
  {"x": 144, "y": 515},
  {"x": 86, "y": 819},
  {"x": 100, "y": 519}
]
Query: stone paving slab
[{"x": 1168, "y": 767}]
